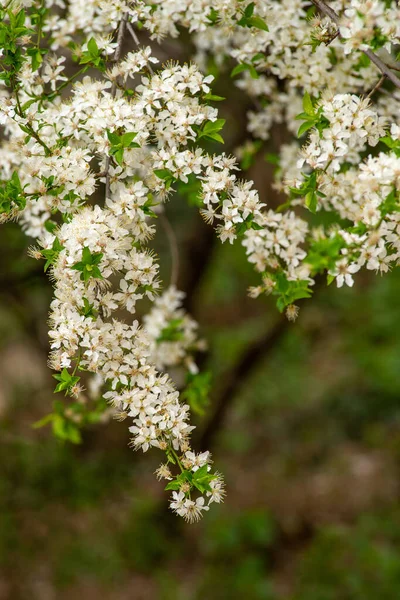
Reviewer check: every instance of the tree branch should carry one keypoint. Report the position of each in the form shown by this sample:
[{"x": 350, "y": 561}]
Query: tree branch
[
  {"x": 329, "y": 12},
  {"x": 252, "y": 357}
]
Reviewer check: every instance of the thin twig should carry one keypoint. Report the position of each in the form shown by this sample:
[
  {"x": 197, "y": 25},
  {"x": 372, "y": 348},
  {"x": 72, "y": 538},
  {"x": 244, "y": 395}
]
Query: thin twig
[
  {"x": 333, "y": 38},
  {"x": 173, "y": 244},
  {"x": 329, "y": 12},
  {"x": 136, "y": 40},
  {"x": 116, "y": 58},
  {"x": 377, "y": 86}
]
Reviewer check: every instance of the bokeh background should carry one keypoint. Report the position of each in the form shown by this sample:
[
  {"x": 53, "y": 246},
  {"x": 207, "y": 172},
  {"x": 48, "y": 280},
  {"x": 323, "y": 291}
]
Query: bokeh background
[{"x": 303, "y": 420}]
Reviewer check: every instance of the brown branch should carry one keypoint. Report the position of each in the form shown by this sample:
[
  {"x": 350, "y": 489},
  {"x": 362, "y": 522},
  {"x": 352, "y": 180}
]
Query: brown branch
[
  {"x": 253, "y": 356},
  {"x": 376, "y": 86},
  {"x": 329, "y": 12}
]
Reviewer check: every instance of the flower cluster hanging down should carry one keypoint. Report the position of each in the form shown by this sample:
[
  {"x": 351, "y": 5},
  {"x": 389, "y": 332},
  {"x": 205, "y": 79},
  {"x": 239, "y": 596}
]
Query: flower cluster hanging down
[{"x": 124, "y": 125}]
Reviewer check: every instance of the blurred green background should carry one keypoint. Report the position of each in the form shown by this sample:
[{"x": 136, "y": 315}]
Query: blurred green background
[{"x": 309, "y": 444}]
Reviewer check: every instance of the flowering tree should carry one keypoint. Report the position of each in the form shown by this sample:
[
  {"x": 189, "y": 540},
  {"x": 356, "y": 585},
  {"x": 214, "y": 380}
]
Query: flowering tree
[{"x": 97, "y": 138}]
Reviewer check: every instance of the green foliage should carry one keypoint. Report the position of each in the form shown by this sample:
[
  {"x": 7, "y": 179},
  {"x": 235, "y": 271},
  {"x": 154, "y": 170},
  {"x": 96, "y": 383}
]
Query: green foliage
[
  {"x": 120, "y": 142},
  {"x": 63, "y": 427},
  {"x": 210, "y": 129},
  {"x": 92, "y": 56},
  {"x": 245, "y": 67},
  {"x": 250, "y": 20},
  {"x": 289, "y": 291},
  {"x": 246, "y": 224},
  {"x": 88, "y": 309},
  {"x": 166, "y": 176},
  {"x": 213, "y": 98},
  {"x": 309, "y": 191},
  {"x": 249, "y": 154},
  {"x": 10, "y": 33},
  {"x": 390, "y": 204},
  {"x": 36, "y": 55},
  {"x": 66, "y": 381},
  {"x": 12, "y": 196},
  {"x": 88, "y": 266},
  {"x": 311, "y": 115},
  {"x": 51, "y": 254},
  {"x": 394, "y": 145},
  {"x": 191, "y": 191},
  {"x": 358, "y": 563},
  {"x": 172, "y": 332},
  {"x": 197, "y": 391},
  {"x": 323, "y": 254},
  {"x": 200, "y": 479},
  {"x": 213, "y": 16}
]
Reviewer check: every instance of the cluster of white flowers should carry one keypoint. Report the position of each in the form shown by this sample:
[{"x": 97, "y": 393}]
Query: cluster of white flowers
[
  {"x": 86, "y": 334},
  {"x": 139, "y": 132},
  {"x": 285, "y": 52},
  {"x": 277, "y": 245},
  {"x": 98, "y": 257},
  {"x": 367, "y": 196},
  {"x": 173, "y": 333},
  {"x": 363, "y": 20},
  {"x": 352, "y": 124}
]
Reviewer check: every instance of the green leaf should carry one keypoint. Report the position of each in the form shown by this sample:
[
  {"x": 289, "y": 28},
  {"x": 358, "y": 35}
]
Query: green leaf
[
  {"x": 311, "y": 201},
  {"x": 210, "y": 130},
  {"x": 64, "y": 429},
  {"x": 197, "y": 391},
  {"x": 52, "y": 253},
  {"x": 212, "y": 16},
  {"x": 257, "y": 22},
  {"x": 28, "y": 104},
  {"x": 173, "y": 485},
  {"x": 113, "y": 138},
  {"x": 119, "y": 156},
  {"x": 20, "y": 18},
  {"x": 44, "y": 421},
  {"x": 202, "y": 479},
  {"x": 163, "y": 173},
  {"x": 128, "y": 138},
  {"x": 305, "y": 127},
  {"x": 245, "y": 67},
  {"x": 323, "y": 254},
  {"x": 172, "y": 332},
  {"x": 213, "y": 98},
  {"x": 289, "y": 291},
  {"x": 88, "y": 265},
  {"x": 166, "y": 176},
  {"x": 66, "y": 381},
  {"x": 308, "y": 106},
  {"x": 212, "y": 126},
  {"x": 248, "y": 11},
  {"x": 93, "y": 48},
  {"x": 88, "y": 309}
]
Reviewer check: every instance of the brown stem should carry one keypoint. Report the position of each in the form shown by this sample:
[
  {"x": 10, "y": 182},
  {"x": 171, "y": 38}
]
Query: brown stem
[{"x": 376, "y": 86}]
